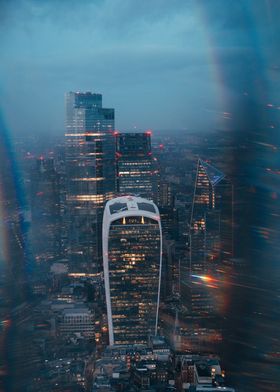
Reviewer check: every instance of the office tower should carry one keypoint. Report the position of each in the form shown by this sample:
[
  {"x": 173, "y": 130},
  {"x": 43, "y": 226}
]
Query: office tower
[
  {"x": 90, "y": 175},
  {"x": 164, "y": 194},
  {"x": 137, "y": 171},
  {"x": 132, "y": 259},
  {"x": 45, "y": 210},
  {"x": 211, "y": 237},
  {"x": 168, "y": 214}
]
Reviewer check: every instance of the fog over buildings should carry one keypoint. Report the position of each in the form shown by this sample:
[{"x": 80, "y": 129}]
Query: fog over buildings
[
  {"x": 162, "y": 64},
  {"x": 139, "y": 195}
]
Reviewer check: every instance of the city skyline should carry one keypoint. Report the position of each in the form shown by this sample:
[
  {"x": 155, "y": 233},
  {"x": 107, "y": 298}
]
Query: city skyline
[
  {"x": 193, "y": 195},
  {"x": 139, "y": 214}
]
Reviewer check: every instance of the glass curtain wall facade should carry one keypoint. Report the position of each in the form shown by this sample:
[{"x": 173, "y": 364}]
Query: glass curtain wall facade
[
  {"x": 90, "y": 175},
  {"x": 132, "y": 259},
  {"x": 137, "y": 171},
  {"x": 211, "y": 237}
]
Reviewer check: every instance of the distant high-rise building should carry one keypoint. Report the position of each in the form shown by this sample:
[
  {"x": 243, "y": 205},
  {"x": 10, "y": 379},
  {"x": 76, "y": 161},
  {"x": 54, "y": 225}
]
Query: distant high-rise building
[
  {"x": 90, "y": 174},
  {"x": 45, "y": 210},
  {"x": 164, "y": 194},
  {"x": 132, "y": 260},
  {"x": 137, "y": 171},
  {"x": 211, "y": 237}
]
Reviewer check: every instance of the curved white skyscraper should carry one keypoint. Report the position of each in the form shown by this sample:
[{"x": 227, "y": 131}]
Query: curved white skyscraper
[{"x": 132, "y": 259}]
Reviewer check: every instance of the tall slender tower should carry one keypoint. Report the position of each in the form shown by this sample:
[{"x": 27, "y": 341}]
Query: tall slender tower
[
  {"x": 137, "y": 171},
  {"x": 132, "y": 259},
  {"x": 90, "y": 175},
  {"x": 211, "y": 237}
]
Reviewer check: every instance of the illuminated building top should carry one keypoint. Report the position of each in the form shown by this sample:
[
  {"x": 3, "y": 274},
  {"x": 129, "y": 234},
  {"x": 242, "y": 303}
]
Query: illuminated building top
[{"x": 132, "y": 259}]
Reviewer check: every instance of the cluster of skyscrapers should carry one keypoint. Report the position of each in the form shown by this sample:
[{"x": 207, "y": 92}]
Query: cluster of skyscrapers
[
  {"x": 124, "y": 253},
  {"x": 101, "y": 164},
  {"x": 106, "y": 166}
]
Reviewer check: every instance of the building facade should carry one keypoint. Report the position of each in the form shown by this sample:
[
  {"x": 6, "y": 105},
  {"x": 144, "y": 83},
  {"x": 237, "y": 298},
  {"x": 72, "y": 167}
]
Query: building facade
[
  {"x": 137, "y": 171},
  {"x": 210, "y": 238},
  {"x": 132, "y": 260},
  {"x": 90, "y": 175},
  {"x": 76, "y": 320}
]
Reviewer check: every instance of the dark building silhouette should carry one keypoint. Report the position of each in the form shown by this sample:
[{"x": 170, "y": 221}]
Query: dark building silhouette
[{"x": 137, "y": 171}]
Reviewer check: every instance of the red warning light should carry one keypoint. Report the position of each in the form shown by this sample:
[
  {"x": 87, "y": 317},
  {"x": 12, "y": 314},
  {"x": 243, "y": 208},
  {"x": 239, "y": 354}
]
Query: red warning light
[{"x": 148, "y": 132}]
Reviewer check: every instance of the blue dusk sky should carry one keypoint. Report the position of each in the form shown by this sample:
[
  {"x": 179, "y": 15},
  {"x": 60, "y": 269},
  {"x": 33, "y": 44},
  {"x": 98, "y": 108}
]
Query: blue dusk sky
[{"x": 176, "y": 64}]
